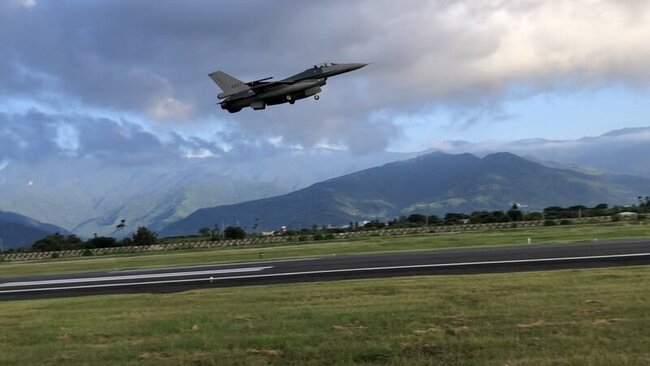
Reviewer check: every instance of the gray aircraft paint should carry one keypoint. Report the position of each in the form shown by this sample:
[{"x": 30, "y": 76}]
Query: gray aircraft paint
[{"x": 260, "y": 93}]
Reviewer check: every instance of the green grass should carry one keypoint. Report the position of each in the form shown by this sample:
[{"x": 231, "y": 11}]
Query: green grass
[
  {"x": 577, "y": 317},
  {"x": 557, "y": 234}
]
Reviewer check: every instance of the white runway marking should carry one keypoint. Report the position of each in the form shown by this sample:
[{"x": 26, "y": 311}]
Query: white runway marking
[{"x": 134, "y": 276}]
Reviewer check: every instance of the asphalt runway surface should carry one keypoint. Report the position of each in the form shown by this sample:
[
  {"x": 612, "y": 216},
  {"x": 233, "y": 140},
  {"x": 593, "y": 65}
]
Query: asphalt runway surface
[{"x": 331, "y": 268}]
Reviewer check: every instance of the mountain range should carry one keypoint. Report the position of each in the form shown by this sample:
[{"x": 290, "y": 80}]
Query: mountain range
[
  {"x": 88, "y": 195},
  {"x": 434, "y": 183},
  {"x": 17, "y": 231}
]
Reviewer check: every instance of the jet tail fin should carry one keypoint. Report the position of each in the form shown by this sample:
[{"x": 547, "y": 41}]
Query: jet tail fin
[{"x": 228, "y": 84}]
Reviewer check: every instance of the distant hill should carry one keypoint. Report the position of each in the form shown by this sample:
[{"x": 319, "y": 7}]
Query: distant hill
[
  {"x": 434, "y": 183},
  {"x": 17, "y": 231}
]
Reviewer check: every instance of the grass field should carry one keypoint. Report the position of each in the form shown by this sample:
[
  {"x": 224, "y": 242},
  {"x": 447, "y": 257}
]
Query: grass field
[
  {"x": 557, "y": 234},
  {"x": 577, "y": 317}
]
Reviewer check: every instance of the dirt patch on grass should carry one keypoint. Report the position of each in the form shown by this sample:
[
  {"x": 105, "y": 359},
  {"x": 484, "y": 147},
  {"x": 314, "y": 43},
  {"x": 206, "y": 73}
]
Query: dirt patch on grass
[
  {"x": 350, "y": 328},
  {"x": 154, "y": 356},
  {"x": 459, "y": 320},
  {"x": 593, "y": 302},
  {"x": 264, "y": 352},
  {"x": 606, "y": 322},
  {"x": 528, "y": 326},
  {"x": 64, "y": 334},
  {"x": 64, "y": 356},
  {"x": 456, "y": 324},
  {"x": 426, "y": 331},
  {"x": 410, "y": 350},
  {"x": 195, "y": 357},
  {"x": 240, "y": 317}
]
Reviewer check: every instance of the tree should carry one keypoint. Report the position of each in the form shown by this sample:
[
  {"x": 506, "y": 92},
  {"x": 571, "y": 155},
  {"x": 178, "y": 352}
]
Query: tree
[
  {"x": 50, "y": 243},
  {"x": 644, "y": 202},
  {"x": 485, "y": 217},
  {"x": 144, "y": 236},
  {"x": 57, "y": 242},
  {"x": 433, "y": 220},
  {"x": 73, "y": 242},
  {"x": 499, "y": 216},
  {"x": 374, "y": 224},
  {"x": 205, "y": 231},
  {"x": 480, "y": 217},
  {"x": 100, "y": 242},
  {"x": 515, "y": 214},
  {"x": 234, "y": 232},
  {"x": 556, "y": 212},
  {"x": 417, "y": 219},
  {"x": 452, "y": 218}
]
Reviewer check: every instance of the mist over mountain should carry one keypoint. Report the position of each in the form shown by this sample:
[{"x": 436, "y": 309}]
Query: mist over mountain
[
  {"x": 624, "y": 151},
  {"x": 434, "y": 183},
  {"x": 87, "y": 196},
  {"x": 17, "y": 231}
]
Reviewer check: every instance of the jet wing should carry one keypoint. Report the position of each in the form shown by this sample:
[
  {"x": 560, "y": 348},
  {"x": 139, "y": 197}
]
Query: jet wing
[
  {"x": 260, "y": 81},
  {"x": 260, "y": 86}
]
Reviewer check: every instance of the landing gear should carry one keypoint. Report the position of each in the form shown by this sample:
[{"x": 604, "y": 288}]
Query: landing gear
[
  {"x": 316, "y": 97},
  {"x": 292, "y": 101},
  {"x": 288, "y": 97}
]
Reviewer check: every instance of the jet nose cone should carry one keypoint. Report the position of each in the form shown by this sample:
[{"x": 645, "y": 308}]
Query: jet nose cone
[{"x": 356, "y": 66}]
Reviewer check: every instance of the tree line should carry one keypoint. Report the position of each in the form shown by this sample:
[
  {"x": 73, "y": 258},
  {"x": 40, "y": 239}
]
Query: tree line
[
  {"x": 514, "y": 214},
  {"x": 57, "y": 242},
  {"x": 144, "y": 236}
]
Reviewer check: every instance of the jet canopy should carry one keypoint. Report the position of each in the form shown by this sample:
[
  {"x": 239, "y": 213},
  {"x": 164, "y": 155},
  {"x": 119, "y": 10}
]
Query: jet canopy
[{"x": 324, "y": 64}]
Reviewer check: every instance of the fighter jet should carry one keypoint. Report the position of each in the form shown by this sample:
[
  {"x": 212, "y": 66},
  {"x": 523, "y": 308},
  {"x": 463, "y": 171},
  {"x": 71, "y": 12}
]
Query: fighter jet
[{"x": 260, "y": 93}]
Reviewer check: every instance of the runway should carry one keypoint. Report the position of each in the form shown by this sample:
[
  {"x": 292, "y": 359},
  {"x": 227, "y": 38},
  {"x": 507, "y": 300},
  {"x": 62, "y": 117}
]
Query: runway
[{"x": 330, "y": 268}]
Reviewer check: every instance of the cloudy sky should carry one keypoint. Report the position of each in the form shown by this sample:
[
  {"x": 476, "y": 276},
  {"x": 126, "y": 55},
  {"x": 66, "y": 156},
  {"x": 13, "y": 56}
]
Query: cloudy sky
[{"x": 128, "y": 80}]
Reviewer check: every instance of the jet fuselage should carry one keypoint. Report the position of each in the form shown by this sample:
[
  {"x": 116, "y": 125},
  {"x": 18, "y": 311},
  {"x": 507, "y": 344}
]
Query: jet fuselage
[{"x": 258, "y": 94}]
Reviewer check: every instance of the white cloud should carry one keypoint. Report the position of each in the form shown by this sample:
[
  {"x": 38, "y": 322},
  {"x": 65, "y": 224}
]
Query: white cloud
[
  {"x": 464, "y": 51},
  {"x": 465, "y": 55},
  {"x": 67, "y": 138},
  {"x": 25, "y": 3},
  {"x": 170, "y": 109},
  {"x": 199, "y": 154}
]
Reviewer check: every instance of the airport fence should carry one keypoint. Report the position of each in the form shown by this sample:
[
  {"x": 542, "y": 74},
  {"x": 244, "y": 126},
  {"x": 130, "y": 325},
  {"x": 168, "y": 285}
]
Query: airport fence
[{"x": 206, "y": 244}]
